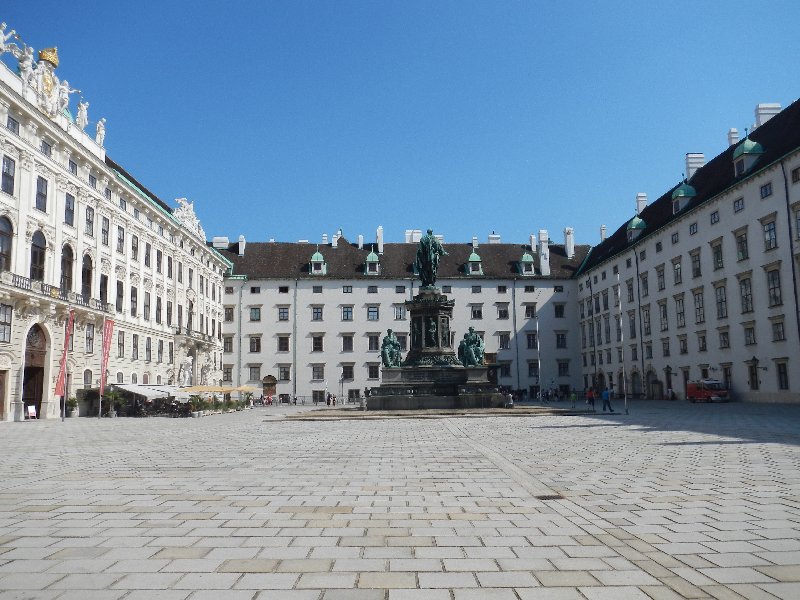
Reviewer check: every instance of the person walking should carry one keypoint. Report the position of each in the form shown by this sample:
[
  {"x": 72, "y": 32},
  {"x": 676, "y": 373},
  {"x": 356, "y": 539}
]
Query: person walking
[
  {"x": 573, "y": 397},
  {"x": 590, "y": 398},
  {"x": 606, "y": 395}
]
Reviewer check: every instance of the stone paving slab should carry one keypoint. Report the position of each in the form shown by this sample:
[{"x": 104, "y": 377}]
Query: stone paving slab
[{"x": 671, "y": 501}]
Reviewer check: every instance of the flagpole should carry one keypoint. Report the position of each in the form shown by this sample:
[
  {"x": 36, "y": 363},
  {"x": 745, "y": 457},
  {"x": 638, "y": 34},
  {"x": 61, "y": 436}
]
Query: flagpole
[
  {"x": 539, "y": 358},
  {"x": 622, "y": 342}
]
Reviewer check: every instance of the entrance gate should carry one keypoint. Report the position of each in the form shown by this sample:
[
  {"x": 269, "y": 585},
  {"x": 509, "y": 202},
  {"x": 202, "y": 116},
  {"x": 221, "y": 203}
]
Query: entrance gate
[{"x": 33, "y": 375}]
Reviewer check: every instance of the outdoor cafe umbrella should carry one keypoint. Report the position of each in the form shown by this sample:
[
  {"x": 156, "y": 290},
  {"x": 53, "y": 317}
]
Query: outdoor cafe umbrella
[{"x": 210, "y": 389}]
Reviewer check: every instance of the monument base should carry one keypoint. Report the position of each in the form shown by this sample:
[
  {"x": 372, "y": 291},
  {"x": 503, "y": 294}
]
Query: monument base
[{"x": 434, "y": 387}]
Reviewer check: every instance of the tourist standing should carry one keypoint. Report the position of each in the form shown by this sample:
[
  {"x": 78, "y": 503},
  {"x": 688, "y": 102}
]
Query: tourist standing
[{"x": 606, "y": 395}]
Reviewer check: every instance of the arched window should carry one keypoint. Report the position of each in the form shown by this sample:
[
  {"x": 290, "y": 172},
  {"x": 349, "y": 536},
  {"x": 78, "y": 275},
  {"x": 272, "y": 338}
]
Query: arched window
[
  {"x": 67, "y": 260},
  {"x": 86, "y": 277},
  {"x": 158, "y": 379},
  {"x": 87, "y": 378},
  {"x": 134, "y": 378},
  {"x": 189, "y": 311},
  {"x": 38, "y": 247},
  {"x": 6, "y": 236},
  {"x": 146, "y": 379},
  {"x": 120, "y": 377}
]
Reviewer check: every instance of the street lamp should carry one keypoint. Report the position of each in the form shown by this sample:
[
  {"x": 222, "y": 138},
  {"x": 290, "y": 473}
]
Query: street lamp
[{"x": 668, "y": 374}]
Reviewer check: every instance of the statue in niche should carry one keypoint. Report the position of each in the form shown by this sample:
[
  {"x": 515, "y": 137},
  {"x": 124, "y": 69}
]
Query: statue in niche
[
  {"x": 390, "y": 350},
  {"x": 445, "y": 334},
  {"x": 426, "y": 264},
  {"x": 431, "y": 338},
  {"x": 82, "y": 120},
  {"x": 416, "y": 333}
]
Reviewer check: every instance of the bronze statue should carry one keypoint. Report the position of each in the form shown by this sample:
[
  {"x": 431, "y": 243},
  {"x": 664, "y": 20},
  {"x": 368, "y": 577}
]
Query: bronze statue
[
  {"x": 429, "y": 252},
  {"x": 471, "y": 349},
  {"x": 390, "y": 350}
]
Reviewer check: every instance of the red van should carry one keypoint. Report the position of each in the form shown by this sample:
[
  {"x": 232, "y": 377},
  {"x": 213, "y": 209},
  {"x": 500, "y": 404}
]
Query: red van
[{"x": 707, "y": 390}]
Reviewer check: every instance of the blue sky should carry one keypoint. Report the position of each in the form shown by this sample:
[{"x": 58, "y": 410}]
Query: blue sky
[{"x": 291, "y": 119}]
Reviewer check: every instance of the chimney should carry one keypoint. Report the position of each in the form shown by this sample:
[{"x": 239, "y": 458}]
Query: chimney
[
  {"x": 241, "y": 245},
  {"x": 602, "y": 233},
  {"x": 733, "y": 136},
  {"x": 360, "y": 242},
  {"x": 474, "y": 241},
  {"x": 409, "y": 235},
  {"x": 379, "y": 237},
  {"x": 335, "y": 240},
  {"x": 494, "y": 238},
  {"x": 569, "y": 242},
  {"x": 220, "y": 242},
  {"x": 641, "y": 202},
  {"x": 416, "y": 235},
  {"x": 439, "y": 237},
  {"x": 533, "y": 242},
  {"x": 764, "y": 112},
  {"x": 544, "y": 252},
  {"x": 324, "y": 239},
  {"x": 694, "y": 161}
]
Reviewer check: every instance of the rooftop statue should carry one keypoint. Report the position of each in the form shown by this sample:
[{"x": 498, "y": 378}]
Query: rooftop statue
[
  {"x": 429, "y": 252},
  {"x": 5, "y": 45},
  {"x": 100, "y": 132},
  {"x": 83, "y": 115}
]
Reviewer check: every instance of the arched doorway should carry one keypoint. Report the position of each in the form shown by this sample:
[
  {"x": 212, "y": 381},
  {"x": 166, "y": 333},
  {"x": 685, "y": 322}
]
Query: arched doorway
[
  {"x": 636, "y": 384},
  {"x": 33, "y": 374},
  {"x": 655, "y": 389},
  {"x": 601, "y": 381}
]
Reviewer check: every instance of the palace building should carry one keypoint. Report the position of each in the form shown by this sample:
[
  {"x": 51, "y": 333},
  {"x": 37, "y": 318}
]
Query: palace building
[
  {"x": 307, "y": 319},
  {"x": 80, "y": 235}
]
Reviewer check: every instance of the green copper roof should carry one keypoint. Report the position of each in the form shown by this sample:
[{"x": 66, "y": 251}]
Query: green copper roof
[
  {"x": 684, "y": 190},
  {"x": 317, "y": 257},
  {"x": 636, "y": 223},
  {"x": 474, "y": 257},
  {"x": 68, "y": 114},
  {"x": 526, "y": 258},
  {"x": 748, "y": 146},
  {"x": 372, "y": 257}
]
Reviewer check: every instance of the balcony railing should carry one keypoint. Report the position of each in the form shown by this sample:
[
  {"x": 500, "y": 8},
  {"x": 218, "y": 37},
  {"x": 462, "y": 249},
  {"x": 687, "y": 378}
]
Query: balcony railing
[{"x": 56, "y": 293}]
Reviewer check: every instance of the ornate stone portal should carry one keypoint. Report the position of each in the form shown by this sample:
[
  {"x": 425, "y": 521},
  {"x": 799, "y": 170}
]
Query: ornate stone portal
[{"x": 432, "y": 376}]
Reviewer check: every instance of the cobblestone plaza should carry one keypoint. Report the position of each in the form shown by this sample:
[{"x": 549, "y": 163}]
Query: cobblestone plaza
[{"x": 672, "y": 501}]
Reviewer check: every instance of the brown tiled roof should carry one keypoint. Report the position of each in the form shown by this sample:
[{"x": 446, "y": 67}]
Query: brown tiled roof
[
  {"x": 282, "y": 260},
  {"x": 778, "y": 136}
]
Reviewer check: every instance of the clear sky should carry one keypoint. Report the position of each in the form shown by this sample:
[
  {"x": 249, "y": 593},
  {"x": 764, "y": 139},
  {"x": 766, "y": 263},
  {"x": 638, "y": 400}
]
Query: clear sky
[{"x": 289, "y": 119}]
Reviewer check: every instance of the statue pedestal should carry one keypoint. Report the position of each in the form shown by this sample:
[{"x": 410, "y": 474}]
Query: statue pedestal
[{"x": 431, "y": 375}]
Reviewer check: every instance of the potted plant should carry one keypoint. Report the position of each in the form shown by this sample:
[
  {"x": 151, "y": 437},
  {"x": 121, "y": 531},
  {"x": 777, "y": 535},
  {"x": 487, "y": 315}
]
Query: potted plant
[
  {"x": 196, "y": 405},
  {"x": 72, "y": 406},
  {"x": 114, "y": 398}
]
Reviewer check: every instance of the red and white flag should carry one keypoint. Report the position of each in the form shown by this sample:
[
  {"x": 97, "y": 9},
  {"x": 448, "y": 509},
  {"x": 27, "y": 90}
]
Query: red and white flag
[
  {"x": 62, "y": 369},
  {"x": 108, "y": 328}
]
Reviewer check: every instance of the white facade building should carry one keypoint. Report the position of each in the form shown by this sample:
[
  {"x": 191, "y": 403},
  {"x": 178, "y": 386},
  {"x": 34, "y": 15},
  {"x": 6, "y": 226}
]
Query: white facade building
[
  {"x": 313, "y": 317},
  {"x": 708, "y": 274},
  {"x": 77, "y": 232}
]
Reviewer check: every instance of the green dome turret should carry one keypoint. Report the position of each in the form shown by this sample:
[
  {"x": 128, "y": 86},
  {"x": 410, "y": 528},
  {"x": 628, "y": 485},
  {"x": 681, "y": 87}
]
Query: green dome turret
[
  {"x": 684, "y": 190},
  {"x": 748, "y": 146},
  {"x": 636, "y": 223}
]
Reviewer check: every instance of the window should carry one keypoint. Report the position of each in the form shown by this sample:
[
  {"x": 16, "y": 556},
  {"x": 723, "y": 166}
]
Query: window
[
  {"x": 159, "y": 257},
  {"x": 677, "y": 275},
  {"x": 120, "y": 344},
  {"x": 738, "y": 205},
  {"x": 675, "y": 237},
  {"x": 374, "y": 343},
  {"x": 227, "y": 373},
  {"x": 662, "y": 315},
  {"x": 778, "y": 331},
  {"x": 347, "y": 343},
  {"x": 372, "y": 289},
  {"x": 227, "y": 344},
  {"x": 559, "y": 308},
  {"x": 502, "y": 311},
  {"x": 135, "y": 347},
  {"x": 347, "y": 372},
  {"x": 741, "y": 245},
  {"x": 46, "y": 148},
  {"x": 766, "y": 190},
  {"x": 795, "y": 174},
  {"x": 317, "y": 372},
  {"x": 148, "y": 349},
  {"x": 41, "y": 194},
  {"x": 692, "y": 228},
  {"x": 315, "y": 289},
  {"x": 255, "y": 344},
  {"x": 746, "y": 294},
  {"x": 632, "y": 324},
  {"x": 134, "y": 247},
  {"x": 645, "y": 289},
  {"x": 683, "y": 346},
  {"x": 283, "y": 343},
  {"x": 169, "y": 267},
  {"x": 530, "y": 311},
  {"x": 161, "y": 352},
  {"x": 147, "y": 251},
  {"x": 721, "y": 298},
  {"x": 134, "y": 301},
  {"x": 347, "y": 289},
  {"x": 502, "y": 289},
  {"x": 782, "y": 370},
  {"x": 504, "y": 370},
  {"x": 6, "y": 312},
  {"x": 373, "y": 313},
  {"x": 749, "y": 335},
  {"x": 255, "y": 313},
  {"x": 89, "y": 225},
  {"x": 169, "y": 312},
  {"x": 9, "y": 168},
  {"x": 399, "y": 312},
  {"x": 699, "y": 308},
  {"x": 146, "y": 311},
  {"x": 563, "y": 368},
  {"x": 504, "y": 341},
  {"x": 715, "y": 217},
  {"x": 69, "y": 210},
  {"x": 629, "y": 285},
  {"x": 104, "y": 227},
  {"x": 229, "y": 314},
  {"x": 120, "y": 296},
  {"x": 561, "y": 339},
  {"x": 283, "y": 313},
  {"x": 531, "y": 339},
  {"x": 716, "y": 256},
  {"x": 317, "y": 343},
  {"x": 533, "y": 369},
  {"x": 476, "y": 311},
  {"x": 660, "y": 278},
  {"x": 774, "y": 287},
  {"x": 645, "y": 320},
  {"x": 696, "y": 270},
  {"x": 316, "y": 313},
  {"x": 476, "y": 289},
  {"x": 403, "y": 341},
  {"x": 347, "y": 313},
  {"x": 665, "y": 347},
  {"x": 724, "y": 339},
  {"x": 373, "y": 371},
  {"x": 93, "y": 181},
  {"x": 38, "y": 249},
  {"x": 284, "y": 372},
  {"x": 123, "y": 204},
  {"x": 13, "y": 125},
  {"x": 107, "y": 193},
  {"x": 770, "y": 236},
  {"x": 255, "y": 373}
]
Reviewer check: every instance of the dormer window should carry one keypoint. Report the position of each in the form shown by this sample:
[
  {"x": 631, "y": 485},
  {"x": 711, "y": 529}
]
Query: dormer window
[
  {"x": 474, "y": 266},
  {"x": 739, "y": 167},
  {"x": 372, "y": 265},
  {"x": 526, "y": 264},
  {"x": 317, "y": 265},
  {"x": 635, "y": 228},
  {"x": 682, "y": 196},
  {"x": 746, "y": 156}
]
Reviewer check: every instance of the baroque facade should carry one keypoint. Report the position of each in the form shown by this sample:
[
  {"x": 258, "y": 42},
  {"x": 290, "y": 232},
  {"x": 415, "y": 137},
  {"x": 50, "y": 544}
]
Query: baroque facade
[
  {"x": 310, "y": 318},
  {"x": 79, "y": 233},
  {"x": 703, "y": 282}
]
